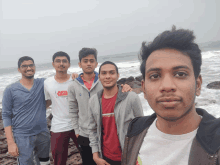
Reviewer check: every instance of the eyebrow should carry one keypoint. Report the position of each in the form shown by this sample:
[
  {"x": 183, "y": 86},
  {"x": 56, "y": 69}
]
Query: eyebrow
[
  {"x": 181, "y": 67},
  {"x": 107, "y": 70},
  {"x": 174, "y": 68}
]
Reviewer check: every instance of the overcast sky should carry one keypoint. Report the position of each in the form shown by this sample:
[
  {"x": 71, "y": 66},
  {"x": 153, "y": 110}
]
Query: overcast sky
[{"x": 39, "y": 28}]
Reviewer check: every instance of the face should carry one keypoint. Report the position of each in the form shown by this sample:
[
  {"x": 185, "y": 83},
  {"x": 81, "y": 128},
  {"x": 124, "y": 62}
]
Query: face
[
  {"x": 27, "y": 69},
  {"x": 88, "y": 64},
  {"x": 108, "y": 76},
  {"x": 170, "y": 86},
  {"x": 61, "y": 64}
]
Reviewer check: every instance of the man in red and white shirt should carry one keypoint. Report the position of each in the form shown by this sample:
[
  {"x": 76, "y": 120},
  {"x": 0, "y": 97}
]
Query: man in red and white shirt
[
  {"x": 56, "y": 92},
  {"x": 110, "y": 110}
]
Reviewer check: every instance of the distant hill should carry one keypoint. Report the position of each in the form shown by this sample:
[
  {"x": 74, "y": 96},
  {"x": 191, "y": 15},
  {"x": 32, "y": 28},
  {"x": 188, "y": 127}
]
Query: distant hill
[{"x": 212, "y": 45}]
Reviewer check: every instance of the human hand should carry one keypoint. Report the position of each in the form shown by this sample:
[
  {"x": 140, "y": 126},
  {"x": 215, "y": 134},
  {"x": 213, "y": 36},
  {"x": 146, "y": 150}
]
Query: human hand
[
  {"x": 126, "y": 88},
  {"x": 13, "y": 149},
  {"x": 74, "y": 75},
  {"x": 100, "y": 161}
]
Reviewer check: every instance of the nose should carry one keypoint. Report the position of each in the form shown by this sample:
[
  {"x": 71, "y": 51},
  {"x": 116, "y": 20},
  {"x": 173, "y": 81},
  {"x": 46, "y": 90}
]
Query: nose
[
  {"x": 28, "y": 67},
  {"x": 107, "y": 75},
  {"x": 167, "y": 84}
]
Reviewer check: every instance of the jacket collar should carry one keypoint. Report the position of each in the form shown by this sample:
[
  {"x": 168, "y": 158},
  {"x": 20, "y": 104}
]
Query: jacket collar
[
  {"x": 120, "y": 96},
  {"x": 208, "y": 134},
  {"x": 79, "y": 79}
]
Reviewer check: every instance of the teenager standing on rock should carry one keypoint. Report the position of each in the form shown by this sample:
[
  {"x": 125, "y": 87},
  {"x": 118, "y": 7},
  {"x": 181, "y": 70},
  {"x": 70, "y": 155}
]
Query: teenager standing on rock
[
  {"x": 24, "y": 117},
  {"x": 62, "y": 122},
  {"x": 110, "y": 113}
]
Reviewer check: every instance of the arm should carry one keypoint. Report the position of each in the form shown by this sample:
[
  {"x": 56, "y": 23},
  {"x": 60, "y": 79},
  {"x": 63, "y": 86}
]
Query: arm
[
  {"x": 126, "y": 88},
  {"x": 48, "y": 103},
  {"x": 74, "y": 75},
  {"x": 47, "y": 96},
  {"x": 137, "y": 106},
  {"x": 12, "y": 146},
  {"x": 73, "y": 108},
  {"x": 98, "y": 160},
  {"x": 7, "y": 103}
]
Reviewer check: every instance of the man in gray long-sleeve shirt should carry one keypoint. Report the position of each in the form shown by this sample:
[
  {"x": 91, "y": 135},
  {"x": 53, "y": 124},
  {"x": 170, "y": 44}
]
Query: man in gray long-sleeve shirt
[
  {"x": 110, "y": 112},
  {"x": 24, "y": 116}
]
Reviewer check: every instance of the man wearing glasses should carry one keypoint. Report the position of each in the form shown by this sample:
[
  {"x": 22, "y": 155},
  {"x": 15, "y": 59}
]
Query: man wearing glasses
[{"x": 24, "y": 117}]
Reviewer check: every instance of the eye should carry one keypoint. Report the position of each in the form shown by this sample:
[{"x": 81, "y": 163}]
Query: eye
[
  {"x": 180, "y": 74},
  {"x": 154, "y": 76}
]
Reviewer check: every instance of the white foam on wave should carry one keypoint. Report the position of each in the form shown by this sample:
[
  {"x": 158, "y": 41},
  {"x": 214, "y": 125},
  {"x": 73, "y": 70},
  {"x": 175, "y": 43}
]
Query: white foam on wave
[{"x": 209, "y": 54}]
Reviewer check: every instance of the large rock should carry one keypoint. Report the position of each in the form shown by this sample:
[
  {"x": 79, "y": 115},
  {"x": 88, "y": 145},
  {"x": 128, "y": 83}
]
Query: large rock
[
  {"x": 139, "y": 78},
  {"x": 135, "y": 83},
  {"x": 214, "y": 85}
]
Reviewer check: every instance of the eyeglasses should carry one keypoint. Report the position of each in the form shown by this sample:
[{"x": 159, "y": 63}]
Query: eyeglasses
[
  {"x": 59, "y": 61},
  {"x": 26, "y": 66}
]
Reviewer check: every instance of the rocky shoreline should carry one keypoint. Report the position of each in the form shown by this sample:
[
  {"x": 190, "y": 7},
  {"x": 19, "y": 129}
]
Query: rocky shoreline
[{"x": 74, "y": 157}]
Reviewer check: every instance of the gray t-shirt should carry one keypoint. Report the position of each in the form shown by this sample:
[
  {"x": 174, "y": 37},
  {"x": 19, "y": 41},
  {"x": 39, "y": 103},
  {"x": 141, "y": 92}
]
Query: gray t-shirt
[{"x": 23, "y": 109}]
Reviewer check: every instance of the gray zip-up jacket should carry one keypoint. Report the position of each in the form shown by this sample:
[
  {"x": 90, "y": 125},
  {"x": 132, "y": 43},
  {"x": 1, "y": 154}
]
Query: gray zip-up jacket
[
  {"x": 78, "y": 98},
  {"x": 127, "y": 107},
  {"x": 205, "y": 149}
]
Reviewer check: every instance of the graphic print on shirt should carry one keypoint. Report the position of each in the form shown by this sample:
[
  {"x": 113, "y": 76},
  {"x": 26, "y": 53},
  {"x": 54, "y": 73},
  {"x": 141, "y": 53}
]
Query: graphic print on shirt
[{"x": 61, "y": 93}]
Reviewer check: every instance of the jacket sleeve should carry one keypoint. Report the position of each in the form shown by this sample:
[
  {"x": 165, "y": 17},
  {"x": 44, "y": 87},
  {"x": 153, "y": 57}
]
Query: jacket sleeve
[
  {"x": 7, "y": 104},
  {"x": 137, "y": 106},
  {"x": 73, "y": 108},
  {"x": 93, "y": 137}
]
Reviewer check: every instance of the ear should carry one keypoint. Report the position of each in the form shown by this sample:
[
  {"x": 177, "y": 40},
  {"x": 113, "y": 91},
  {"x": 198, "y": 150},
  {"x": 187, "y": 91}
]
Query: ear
[
  {"x": 96, "y": 64},
  {"x": 143, "y": 88},
  {"x": 53, "y": 64},
  {"x": 118, "y": 76},
  {"x": 198, "y": 85},
  {"x": 79, "y": 63},
  {"x": 19, "y": 70}
]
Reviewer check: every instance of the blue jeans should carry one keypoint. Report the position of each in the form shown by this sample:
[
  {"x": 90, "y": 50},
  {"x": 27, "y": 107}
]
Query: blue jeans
[{"x": 30, "y": 148}]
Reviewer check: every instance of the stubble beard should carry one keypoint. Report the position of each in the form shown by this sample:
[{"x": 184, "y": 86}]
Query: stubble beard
[
  {"x": 29, "y": 77},
  {"x": 170, "y": 119},
  {"x": 110, "y": 87}
]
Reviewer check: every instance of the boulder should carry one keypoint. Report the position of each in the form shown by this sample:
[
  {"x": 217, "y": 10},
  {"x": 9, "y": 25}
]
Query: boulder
[
  {"x": 139, "y": 78},
  {"x": 214, "y": 85}
]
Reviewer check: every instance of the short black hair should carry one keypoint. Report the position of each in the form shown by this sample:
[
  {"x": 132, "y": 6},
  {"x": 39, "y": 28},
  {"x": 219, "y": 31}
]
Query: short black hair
[
  {"x": 24, "y": 58},
  {"x": 181, "y": 40},
  {"x": 108, "y": 62},
  {"x": 87, "y": 51},
  {"x": 61, "y": 54}
]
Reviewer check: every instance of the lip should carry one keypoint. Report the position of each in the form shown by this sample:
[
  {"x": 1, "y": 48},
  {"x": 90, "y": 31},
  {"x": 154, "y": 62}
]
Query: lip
[
  {"x": 107, "y": 82},
  {"x": 169, "y": 102}
]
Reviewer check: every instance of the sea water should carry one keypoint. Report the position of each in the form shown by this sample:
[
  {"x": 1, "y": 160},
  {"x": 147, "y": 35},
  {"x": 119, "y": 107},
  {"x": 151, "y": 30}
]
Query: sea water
[{"x": 129, "y": 64}]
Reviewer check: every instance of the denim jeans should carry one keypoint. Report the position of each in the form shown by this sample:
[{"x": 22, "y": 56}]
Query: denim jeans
[{"x": 33, "y": 149}]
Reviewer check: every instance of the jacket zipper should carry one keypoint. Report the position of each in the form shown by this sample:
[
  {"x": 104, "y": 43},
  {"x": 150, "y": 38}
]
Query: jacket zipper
[
  {"x": 126, "y": 144},
  {"x": 215, "y": 156}
]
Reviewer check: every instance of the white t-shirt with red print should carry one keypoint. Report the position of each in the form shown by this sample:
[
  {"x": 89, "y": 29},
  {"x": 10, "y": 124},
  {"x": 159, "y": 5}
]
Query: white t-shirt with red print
[{"x": 58, "y": 94}]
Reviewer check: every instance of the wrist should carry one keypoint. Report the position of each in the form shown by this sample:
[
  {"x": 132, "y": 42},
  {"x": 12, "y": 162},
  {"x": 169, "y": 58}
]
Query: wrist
[
  {"x": 95, "y": 156},
  {"x": 10, "y": 142}
]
